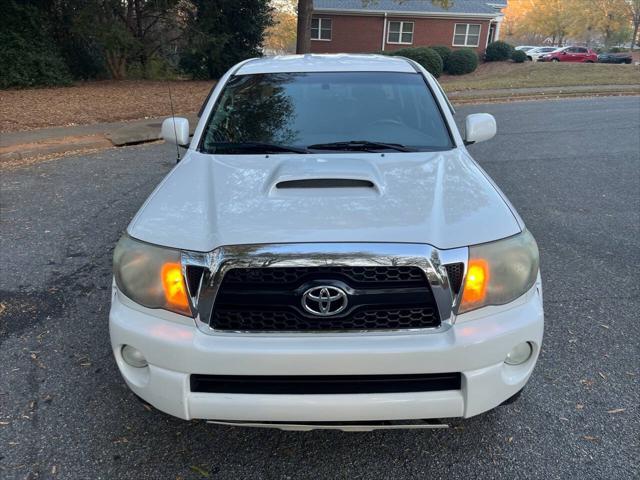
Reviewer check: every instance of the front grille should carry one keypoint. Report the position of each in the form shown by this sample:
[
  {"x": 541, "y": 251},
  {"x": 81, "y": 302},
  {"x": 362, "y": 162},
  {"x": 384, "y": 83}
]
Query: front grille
[
  {"x": 278, "y": 320},
  {"x": 358, "y": 275},
  {"x": 324, "y": 384},
  {"x": 270, "y": 299}
]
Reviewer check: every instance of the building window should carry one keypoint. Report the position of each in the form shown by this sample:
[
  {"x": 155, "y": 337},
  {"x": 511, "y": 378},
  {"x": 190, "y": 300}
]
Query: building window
[
  {"x": 321, "y": 29},
  {"x": 466, "y": 35},
  {"x": 400, "y": 32}
]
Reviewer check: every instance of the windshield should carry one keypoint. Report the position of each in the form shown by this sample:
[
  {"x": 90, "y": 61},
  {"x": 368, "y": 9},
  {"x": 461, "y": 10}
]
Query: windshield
[{"x": 332, "y": 111}]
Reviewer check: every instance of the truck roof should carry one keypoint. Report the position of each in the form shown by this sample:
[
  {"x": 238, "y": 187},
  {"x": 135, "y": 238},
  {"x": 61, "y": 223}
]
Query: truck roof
[{"x": 340, "y": 62}]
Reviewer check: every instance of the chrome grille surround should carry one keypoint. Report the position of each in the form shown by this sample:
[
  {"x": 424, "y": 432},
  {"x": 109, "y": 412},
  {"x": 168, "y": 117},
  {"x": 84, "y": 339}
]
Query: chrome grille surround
[{"x": 218, "y": 262}]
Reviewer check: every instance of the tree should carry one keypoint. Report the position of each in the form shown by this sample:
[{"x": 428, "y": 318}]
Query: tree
[
  {"x": 281, "y": 36},
  {"x": 220, "y": 33},
  {"x": 537, "y": 20},
  {"x": 99, "y": 22},
  {"x": 128, "y": 30},
  {"x": 554, "y": 19},
  {"x": 303, "y": 36},
  {"x": 27, "y": 56},
  {"x": 152, "y": 24},
  {"x": 83, "y": 58},
  {"x": 305, "y": 10},
  {"x": 633, "y": 12},
  {"x": 517, "y": 23},
  {"x": 603, "y": 17}
]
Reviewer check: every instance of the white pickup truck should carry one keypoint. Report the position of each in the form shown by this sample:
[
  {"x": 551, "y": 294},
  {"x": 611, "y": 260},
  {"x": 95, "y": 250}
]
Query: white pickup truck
[{"x": 327, "y": 255}]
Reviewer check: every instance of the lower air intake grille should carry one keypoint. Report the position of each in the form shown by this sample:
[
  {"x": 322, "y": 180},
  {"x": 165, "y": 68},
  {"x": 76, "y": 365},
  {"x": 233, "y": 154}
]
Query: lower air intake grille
[{"x": 324, "y": 384}]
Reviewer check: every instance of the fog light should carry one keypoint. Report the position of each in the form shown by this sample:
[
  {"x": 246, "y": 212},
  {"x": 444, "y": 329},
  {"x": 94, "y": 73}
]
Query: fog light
[
  {"x": 519, "y": 354},
  {"x": 133, "y": 357}
]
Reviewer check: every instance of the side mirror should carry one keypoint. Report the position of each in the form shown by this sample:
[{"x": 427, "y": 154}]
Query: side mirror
[
  {"x": 176, "y": 130},
  {"x": 564, "y": 52},
  {"x": 479, "y": 127}
]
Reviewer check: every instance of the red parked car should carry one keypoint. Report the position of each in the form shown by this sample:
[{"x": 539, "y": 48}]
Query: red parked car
[{"x": 570, "y": 54}]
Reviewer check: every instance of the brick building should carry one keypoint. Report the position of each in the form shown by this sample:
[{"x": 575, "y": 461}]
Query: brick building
[{"x": 361, "y": 26}]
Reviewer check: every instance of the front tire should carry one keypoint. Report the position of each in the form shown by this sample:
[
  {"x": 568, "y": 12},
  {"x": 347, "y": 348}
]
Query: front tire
[{"x": 555, "y": 60}]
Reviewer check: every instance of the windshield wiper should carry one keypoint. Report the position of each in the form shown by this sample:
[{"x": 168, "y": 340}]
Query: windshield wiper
[
  {"x": 364, "y": 145},
  {"x": 257, "y": 147}
]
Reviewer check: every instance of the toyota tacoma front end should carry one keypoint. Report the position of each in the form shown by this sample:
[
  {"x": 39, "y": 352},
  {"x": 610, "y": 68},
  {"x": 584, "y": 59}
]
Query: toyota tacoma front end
[{"x": 327, "y": 255}]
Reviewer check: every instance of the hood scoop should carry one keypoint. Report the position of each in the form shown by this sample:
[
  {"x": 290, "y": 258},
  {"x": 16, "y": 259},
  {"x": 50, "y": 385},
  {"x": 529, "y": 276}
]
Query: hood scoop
[
  {"x": 307, "y": 175},
  {"x": 326, "y": 183}
]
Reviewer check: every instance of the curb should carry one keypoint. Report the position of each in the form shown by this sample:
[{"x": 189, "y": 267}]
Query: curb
[
  {"x": 53, "y": 146},
  {"x": 547, "y": 96},
  {"x": 545, "y": 92},
  {"x": 58, "y": 141}
]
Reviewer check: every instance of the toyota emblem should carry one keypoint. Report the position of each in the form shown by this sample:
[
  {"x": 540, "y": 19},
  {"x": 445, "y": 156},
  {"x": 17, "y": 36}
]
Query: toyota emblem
[{"x": 324, "y": 300}]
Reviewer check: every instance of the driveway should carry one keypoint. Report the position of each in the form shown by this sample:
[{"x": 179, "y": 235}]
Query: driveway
[{"x": 572, "y": 169}]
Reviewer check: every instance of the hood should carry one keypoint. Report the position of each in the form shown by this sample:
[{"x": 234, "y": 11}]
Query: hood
[{"x": 439, "y": 198}]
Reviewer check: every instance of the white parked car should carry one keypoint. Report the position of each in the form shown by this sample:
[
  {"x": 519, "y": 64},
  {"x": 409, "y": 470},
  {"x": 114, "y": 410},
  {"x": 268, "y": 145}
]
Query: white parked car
[
  {"x": 525, "y": 48},
  {"x": 327, "y": 255},
  {"x": 535, "y": 53}
]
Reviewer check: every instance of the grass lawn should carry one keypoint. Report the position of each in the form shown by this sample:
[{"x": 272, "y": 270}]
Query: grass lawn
[{"x": 496, "y": 75}]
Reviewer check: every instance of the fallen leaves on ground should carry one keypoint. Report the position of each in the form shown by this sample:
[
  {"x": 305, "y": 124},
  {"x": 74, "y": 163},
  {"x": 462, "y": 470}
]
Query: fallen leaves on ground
[
  {"x": 96, "y": 102},
  {"x": 200, "y": 471}
]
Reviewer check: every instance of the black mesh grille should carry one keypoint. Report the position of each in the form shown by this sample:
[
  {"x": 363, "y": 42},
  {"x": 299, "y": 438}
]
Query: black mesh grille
[
  {"x": 455, "y": 272},
  {"x": 278, "y": 320},
  {"x": 270, "y": 299},
  {"x": 289, "y": 275}
]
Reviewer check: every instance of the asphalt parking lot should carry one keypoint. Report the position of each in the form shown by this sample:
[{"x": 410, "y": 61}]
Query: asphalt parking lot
[{"x": 571, "y": 168}]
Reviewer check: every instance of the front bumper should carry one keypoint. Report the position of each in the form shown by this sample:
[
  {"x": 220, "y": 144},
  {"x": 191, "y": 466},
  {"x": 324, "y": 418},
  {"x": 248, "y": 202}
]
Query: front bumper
[{"x": 476, "y": 346}]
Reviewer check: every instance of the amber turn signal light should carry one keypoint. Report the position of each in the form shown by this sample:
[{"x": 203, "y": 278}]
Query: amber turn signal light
[
  {"x": 475, "y": 284},
  {"x": 174, "y": 287}
]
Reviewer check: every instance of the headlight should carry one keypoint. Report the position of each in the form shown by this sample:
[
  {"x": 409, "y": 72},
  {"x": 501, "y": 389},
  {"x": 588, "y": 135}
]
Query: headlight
[
  {"x": 499, "y": 272},
  {"x": 150, "y": 275}
]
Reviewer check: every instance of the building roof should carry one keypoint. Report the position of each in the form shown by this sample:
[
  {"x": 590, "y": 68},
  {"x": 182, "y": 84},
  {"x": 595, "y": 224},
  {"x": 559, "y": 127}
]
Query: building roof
[
  {"x": 341, "y": 62},
  {"x": 423, "y": 7}
]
